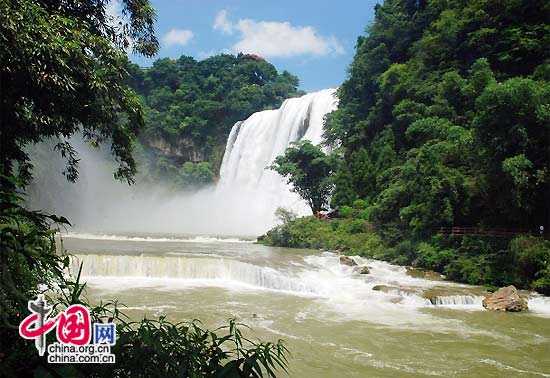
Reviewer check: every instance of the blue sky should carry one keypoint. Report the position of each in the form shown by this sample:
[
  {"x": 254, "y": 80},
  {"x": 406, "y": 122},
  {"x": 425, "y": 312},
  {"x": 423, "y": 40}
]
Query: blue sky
[{"x": 314, "y": 40}]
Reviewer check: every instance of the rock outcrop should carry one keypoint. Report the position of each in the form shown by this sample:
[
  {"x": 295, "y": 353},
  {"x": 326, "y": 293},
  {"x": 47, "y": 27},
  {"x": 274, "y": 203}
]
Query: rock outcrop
[
  {"x": 181, "y": 149},
  {"x": 385, "y": 289},
  {"x": 346, "y": 260},
  {"x": 450, "y": 295},
  {"x": 394, "y": 290},
  {"x": 424, "y": 273},
  {"x": 505, "y": 299},
  {"x": 362, "y": 269}
]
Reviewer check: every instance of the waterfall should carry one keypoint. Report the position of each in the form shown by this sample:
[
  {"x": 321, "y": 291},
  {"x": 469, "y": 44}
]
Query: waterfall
[
  {"x": 222, "y": 272},
  {"x": 242, "y": 203},
  {"x": 254, "y": 143},
  {"x": 456, "y": 300}
]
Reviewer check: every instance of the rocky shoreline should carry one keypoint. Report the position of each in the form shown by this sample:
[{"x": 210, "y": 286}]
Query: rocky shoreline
[{"x": 505, "y": 299}]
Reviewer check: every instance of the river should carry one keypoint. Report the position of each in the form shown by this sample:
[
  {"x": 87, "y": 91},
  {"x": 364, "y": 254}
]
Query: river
[{"x": 334, "y": 323}]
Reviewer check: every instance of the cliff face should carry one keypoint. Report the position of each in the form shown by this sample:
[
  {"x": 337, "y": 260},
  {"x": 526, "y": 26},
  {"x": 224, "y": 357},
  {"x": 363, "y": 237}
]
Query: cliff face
[{"x": 181, "y": 150}]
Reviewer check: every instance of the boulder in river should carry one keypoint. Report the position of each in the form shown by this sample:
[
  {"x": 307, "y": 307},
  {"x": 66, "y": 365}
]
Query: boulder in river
[
  {"x": 346, "y": 260},
  {"x": 424, "y": 273},
  {"x": 362, "y": 269},
  {"x": 384, "y": 288},
  {"x": 505, "y": 299},
  {"x": 395, "y": 290}
]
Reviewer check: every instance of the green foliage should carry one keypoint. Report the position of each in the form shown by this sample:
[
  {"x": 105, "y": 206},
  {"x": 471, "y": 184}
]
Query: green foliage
[
  {"x": 62, "y": 69},
  {"x": 308, "y": 169},
  {"x": 533, "y": 262},
  {"x": 347, "y": 235},
  {"x": 190, "y": 107},
  {"x": 447, "y": 103},
  {"x": 523, "y": 261},
  {"x": 443, "y": 121},
  {"x": 285, "y": 215}
]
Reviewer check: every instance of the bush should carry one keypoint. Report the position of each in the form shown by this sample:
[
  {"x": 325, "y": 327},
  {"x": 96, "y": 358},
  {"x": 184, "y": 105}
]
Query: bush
[
  {"x": 349, "y": 235},
  {"x": 356, "y": 226},
  {"x": 346, "y": 212},
  {"x": 478, "y": 260},
  {"x": 432, "y": 257},
  {"x": 532, "y": 255},
  {"x": 467, "y": 269},
  {"x": 542, "y": 283}
]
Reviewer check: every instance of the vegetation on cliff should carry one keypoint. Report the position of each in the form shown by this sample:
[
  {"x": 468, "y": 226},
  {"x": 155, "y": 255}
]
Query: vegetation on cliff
[
  {"x": 445, "y": 121},
  {"x": 190, "y": 107}
]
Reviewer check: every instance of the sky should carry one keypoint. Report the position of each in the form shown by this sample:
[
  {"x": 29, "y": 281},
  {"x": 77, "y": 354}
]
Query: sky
[{"x": 314, "y": 40}]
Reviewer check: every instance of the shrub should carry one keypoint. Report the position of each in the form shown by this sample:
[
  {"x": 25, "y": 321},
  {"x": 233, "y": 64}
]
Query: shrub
[
  {"x": 532, "y": 255},
  {"x": 346, "y": 212},
  {"x": 432, "y": 257}
]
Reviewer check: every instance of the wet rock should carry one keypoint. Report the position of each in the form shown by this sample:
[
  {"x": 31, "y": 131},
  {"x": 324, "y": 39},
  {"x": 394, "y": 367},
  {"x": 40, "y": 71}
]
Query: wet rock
[
  {"x": 394, "y": 290},
  {"x": 505, "y": 299},
  {"x": 384, "y": 288},
  {"x": 425, "y": 274},
  {"x": 362, "y": 269},
  {"x": 346, "y": 260}
]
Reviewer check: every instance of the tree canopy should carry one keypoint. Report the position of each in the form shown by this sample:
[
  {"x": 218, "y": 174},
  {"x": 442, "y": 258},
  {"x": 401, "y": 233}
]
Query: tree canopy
[
  {"x": 444, "y": 121},
  {"x": 308, "y": 169},
  {"x": 446, "y": 104},
  {"x": 62, "y": 72}
]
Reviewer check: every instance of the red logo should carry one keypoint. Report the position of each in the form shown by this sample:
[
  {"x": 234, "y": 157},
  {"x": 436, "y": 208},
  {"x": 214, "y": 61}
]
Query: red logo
[{"x": 73, "y": 324}]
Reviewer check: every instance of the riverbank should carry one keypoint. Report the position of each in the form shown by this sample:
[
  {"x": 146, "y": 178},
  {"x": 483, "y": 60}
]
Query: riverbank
[{"x": 523, "y": 261}]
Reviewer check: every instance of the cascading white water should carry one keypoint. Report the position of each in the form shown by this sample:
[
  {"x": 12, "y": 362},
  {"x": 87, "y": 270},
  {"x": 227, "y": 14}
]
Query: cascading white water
[
  {"x": 200, "y": 270},
  {"x": 319, "y": 276},
  {"x": 457, "y": 300},
  {"x": 253, "y": 144}
]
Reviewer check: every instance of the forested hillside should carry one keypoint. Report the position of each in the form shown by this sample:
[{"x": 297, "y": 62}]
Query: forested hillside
[
  {"x": 445, "y": 121},
  {"x": 190, "y": 107}
]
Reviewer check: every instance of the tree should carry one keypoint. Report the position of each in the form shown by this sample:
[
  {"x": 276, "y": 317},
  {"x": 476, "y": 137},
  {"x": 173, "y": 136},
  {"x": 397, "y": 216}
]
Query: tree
[
  {"x": 513, "y": 127},
  {"x": 309, "y": 171},
  {"x": 62, "y": 72},
  {"x": 443, "y": 121}
]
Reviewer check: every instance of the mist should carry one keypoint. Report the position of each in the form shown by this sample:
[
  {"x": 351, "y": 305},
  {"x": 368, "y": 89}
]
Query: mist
[
  {"x": 100, "y": 204},
  {"x": 243, "y": 203}
]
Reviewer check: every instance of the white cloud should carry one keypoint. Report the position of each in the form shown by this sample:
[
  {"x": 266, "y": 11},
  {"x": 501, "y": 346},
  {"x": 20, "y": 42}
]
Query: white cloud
[
  {"x": 277, "y": 39},
  {"x": 177, "y": 37},
  {"x": 221, "y": 22}
]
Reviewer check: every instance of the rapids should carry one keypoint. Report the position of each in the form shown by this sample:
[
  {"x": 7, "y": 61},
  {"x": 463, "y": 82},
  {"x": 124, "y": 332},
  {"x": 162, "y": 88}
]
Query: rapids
[{"x": 332, "y": 319}]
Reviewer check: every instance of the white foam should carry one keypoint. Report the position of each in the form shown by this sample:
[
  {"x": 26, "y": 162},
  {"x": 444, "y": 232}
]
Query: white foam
[
  {"x": 183, "y": 271},
  {"x": 501, "y": 366},
  {"x": 194, "y": 239},
  {"x": 539, "y": 305},
  {"x": 338, "y": 293}
]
